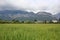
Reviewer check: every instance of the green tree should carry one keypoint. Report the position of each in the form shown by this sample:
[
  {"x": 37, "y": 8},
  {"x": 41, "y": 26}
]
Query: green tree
[
  {"x": 59, "y": 20},
  {"x": 22, "y": 21},
  {"x": 35, "y": 20},
  {"x": 17, "y": 21},
  {"x": 45, "y": 21},
  {"x": 27, "y": 21},
  {"x": 50, "y": 21}
]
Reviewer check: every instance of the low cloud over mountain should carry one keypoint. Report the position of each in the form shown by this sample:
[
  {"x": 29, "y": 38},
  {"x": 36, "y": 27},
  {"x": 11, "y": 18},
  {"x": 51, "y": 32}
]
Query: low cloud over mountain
[
  {"x": 57, "y": 15},
  {"x": 52, "y": 6},
  {"x": 24, "y": 15}
]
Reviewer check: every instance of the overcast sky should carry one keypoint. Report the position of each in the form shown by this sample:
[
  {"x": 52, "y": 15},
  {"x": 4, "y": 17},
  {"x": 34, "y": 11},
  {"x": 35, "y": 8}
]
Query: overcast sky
[{"x": 52, "y": 6}]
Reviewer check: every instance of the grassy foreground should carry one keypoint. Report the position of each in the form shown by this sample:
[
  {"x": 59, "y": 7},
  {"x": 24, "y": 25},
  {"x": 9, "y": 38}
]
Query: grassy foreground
[{"x": 29, "y": 31}]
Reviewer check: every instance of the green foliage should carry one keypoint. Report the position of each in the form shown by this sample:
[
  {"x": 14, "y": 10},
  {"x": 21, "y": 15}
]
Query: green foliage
[
  {"x": 35, "y": 20},
  {"x": 22, "y": 21},
  {"x": 29, "y": 32},
  {"x": 59, "y": 20},
  {"x": 27, "y": 22},
  {"x": 45, "y": 21},
  {"x": 50, "y": 21}
]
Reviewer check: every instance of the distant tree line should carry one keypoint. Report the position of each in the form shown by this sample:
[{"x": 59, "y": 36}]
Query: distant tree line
[{"x": 27, "y": 22}]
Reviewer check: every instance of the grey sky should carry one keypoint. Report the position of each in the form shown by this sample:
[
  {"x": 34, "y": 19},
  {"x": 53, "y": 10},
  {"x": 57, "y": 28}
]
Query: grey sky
[{"x": 52, "y": 6}]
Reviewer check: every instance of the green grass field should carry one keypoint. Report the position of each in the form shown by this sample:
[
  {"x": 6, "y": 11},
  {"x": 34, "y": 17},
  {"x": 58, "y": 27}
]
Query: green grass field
[{"x": 29, "y": 31}]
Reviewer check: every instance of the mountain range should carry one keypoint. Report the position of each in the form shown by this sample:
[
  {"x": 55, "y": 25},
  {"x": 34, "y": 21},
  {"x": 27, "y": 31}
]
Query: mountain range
[
  {"x": 24, "y": 15},
  {"x": 57, "y": 15}
]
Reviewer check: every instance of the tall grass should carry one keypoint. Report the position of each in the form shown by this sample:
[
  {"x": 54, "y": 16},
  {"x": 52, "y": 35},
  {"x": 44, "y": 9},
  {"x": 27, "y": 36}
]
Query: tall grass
[{"x": 29, "y": 31}]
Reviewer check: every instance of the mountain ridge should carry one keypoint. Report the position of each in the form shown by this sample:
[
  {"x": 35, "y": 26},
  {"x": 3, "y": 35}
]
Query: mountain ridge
[{"x": 24, "y": 15}]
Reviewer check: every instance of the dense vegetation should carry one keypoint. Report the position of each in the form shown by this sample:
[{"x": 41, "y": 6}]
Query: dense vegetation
[
  {"x": 29, "y": 31},
  {"x": 27, "y": 21}
]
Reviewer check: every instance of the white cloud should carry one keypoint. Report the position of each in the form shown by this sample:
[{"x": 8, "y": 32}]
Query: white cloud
[
  {"x": 52, "y": 6},
  {"x": 2, "y": 2}
]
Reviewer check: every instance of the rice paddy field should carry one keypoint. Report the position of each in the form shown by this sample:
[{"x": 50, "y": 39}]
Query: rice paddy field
[{"x": 29, "y": 31}]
